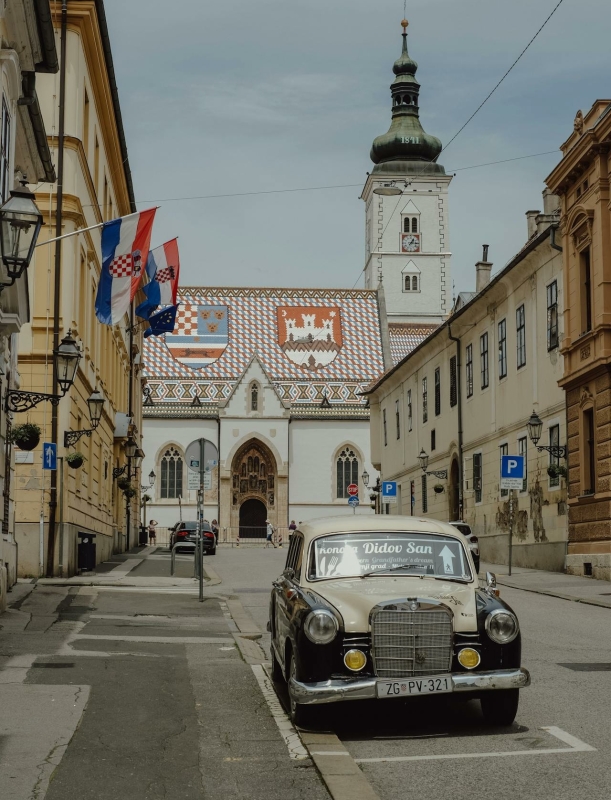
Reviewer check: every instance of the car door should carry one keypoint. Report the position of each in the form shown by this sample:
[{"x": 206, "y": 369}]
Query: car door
[{"x": 286, "y": 594}]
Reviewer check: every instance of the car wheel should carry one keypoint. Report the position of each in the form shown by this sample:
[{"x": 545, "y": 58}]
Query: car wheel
[
  {"x": 500, "y": 708},
  {"x": 277, "y": 674},
  {"x": 213, "y": 551},
  {"x": 301, "y": 716}
]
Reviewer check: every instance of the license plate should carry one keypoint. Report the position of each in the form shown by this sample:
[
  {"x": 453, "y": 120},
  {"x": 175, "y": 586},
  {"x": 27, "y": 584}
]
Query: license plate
[{"x": 434, "y": 684}]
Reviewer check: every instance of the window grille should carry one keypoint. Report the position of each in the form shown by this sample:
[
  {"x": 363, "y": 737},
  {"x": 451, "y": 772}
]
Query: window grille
[
  {"x": 453, "y": 382},
  {"x": 425, "y": 401},
  {"x": 477, "y": 477},
  {"x": 425, "y": 499},
  {"x": 483, "y": 351},
  {"x": 437, "y": 392},
  {"x": 502, "y": 349},
  {"x": 347, "y": 471},
  {"x": 521, "y": 336},
  {"x": 171, "y": 474},
  {"x": 469, "y": 370},
  {"x": 552, "y": 316},
  {"x": 433, "y": 440}
]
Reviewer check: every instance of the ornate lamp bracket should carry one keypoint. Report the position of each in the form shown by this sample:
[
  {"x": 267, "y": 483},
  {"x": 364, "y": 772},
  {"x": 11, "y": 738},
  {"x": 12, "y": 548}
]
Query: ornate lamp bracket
[
  {"x": 442, "y": 474},
  {"x": 72, "y": 437},
  {"x": 555, "y": 450},
  {"x": 17, "y": 401},
  {"x": 118, "y": 471}
]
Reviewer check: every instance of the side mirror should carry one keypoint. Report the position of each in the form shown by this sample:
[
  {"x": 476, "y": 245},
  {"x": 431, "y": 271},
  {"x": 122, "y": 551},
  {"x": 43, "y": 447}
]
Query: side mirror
[
  {"x": 289, "y": 573},
  {"x": 491, "y": 587}
]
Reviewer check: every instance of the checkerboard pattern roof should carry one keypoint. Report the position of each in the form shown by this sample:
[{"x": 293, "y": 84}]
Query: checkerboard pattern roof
[
  {"x": 253, "y": 329},
  {"x": 405, "y": 337}
]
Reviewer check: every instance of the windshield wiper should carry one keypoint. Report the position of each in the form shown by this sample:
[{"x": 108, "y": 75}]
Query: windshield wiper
[
  {"x": 452, "y": 579},
  {"x": 392, "y": 569}
]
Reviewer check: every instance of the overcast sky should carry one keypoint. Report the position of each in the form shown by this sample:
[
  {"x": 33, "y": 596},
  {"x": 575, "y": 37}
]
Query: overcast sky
[{"x": 252, "y": 96}]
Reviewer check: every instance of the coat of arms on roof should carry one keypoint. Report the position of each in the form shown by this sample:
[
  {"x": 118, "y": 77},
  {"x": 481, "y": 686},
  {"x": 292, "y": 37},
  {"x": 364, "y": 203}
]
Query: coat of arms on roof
[
  {"x": 310, "y": 336},
  {"x": 200, "y": 336}
]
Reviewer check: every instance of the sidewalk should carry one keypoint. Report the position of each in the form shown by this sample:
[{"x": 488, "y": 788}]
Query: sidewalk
[{"x": 554, "y": 584}]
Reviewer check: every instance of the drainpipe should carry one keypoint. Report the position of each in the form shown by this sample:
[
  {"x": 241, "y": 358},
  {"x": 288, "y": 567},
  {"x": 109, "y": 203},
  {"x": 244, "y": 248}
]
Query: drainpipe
[
  {"x": 552, "y": 238},
  {"x": 59, "y": 198},
  {"x": 459, "y": 412}
]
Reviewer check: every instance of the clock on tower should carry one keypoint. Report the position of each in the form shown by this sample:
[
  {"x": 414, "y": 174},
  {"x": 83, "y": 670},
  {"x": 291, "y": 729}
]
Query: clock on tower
[{"x": 410, "y": 242}]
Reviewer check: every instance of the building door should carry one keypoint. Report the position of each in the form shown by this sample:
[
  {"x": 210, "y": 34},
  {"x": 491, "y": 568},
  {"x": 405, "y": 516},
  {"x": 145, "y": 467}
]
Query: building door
[
  {"x": 253, "y": 514},
  {"x": 453, "y": 493}
]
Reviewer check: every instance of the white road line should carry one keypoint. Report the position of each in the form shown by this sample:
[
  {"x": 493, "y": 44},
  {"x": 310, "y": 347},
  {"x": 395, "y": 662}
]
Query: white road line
[
  {"x": 577, "y": 746},
  {"x": 573, "y": 741},
  {"x": 156, "y": 639},
  {"x": 287, "y": 731}
]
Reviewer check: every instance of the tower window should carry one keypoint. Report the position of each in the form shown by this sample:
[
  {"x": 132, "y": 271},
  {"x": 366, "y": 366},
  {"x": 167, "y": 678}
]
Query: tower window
[
  {"x": 414, "y": 224},
  {"x": 410, "y": 224},
  {"x": 411, "y": 283},
  {"x": 414, "y": 283},
  {"x": 254, "y": 397}
]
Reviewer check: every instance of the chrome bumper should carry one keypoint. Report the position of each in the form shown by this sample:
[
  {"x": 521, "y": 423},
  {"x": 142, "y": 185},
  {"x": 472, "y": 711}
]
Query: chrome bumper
[{"x": 365, "y": 688}]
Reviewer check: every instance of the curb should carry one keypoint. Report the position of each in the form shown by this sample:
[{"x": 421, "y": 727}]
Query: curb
[
  {"x": 212, "y": 575},
  {"x": 584, "y": 600}
]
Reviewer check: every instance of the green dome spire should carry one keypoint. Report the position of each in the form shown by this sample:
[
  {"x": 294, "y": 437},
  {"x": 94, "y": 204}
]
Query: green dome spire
[{"x": 406, "y": 148}]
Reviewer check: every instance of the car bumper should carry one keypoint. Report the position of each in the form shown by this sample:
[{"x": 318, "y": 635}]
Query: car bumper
[{"x": 333, "y": 691}]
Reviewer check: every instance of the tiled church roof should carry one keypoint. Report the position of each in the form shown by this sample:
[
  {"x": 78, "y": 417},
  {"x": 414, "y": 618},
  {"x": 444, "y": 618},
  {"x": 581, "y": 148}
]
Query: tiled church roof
[
  {"x": 405, "y": 337},
  {"x": 255, "y": 317}
]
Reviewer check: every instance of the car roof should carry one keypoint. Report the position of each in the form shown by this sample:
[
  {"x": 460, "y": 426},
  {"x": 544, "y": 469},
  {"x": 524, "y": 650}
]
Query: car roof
[{"x": 380, "y": 523}]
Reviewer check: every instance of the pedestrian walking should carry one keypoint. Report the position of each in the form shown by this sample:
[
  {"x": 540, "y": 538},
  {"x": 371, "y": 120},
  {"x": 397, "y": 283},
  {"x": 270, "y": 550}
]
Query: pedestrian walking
[
  {"x": 152, "y": 532},
  {"x": 270, "y": 534}
]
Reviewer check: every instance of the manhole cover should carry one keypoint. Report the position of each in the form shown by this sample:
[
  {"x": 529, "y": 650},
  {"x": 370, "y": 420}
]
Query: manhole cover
[
  {"x": 593, "y": 667},
  {"x": 52, "y": 665}
]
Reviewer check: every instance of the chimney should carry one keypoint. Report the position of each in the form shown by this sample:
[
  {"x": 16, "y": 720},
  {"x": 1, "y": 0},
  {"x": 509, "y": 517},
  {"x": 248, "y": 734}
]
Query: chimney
[
  {"x": 531, "y": 221},
  {"x": 551, "y": 202},
  {"x": 482, "y": 271}
]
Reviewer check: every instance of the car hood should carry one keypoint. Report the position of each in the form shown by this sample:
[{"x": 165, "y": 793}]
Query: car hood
[{"x": 355, "y": 597}]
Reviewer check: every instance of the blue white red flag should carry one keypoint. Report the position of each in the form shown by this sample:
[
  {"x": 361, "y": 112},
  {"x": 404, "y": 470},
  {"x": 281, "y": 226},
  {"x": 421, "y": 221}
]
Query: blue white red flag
[
  {"x": 125, "y": 249},
  {"x": 162, "y": 322},
  {"x": 163, "y": 269}
]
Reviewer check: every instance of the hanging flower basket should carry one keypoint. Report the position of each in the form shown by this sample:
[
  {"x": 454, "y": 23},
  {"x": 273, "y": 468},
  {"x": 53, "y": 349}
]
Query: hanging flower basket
[
  {"x": 127, "y": 487},
  {"x": 75, "y": 460},
  {"x": 438, "y": 488},
  {"x": 146, "y": 498},
  {"x": 556, "y": 471},
  {"x": 26, "y": 436}
]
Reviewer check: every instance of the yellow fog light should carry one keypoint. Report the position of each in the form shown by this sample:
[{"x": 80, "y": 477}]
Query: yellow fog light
[
  {"x": 355, "y": 660},
  {"x": 469, "y": 658}
]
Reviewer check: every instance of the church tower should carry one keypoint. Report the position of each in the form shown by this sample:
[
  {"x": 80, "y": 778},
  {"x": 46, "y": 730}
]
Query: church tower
[{"x": 406, "y": 202}]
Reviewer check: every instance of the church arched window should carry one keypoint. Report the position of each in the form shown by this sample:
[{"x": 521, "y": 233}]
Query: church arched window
[
  {"x": 254, "y": 397},
  {"x": 347, "y": 468},
  {"x": 411, "y": 283},
  {"x": 414, "y": 224},
  {"x": 406, "y": 224},
  {"x": 414, "y": 283},
  {"x": 171, "y": 474}
]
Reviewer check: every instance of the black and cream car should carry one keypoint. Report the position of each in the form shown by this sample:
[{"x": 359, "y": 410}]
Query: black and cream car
[{"x": 390, "y": 607}]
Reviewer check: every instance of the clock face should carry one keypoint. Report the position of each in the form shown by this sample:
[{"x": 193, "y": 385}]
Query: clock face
[{"x": 410, "y": 242}]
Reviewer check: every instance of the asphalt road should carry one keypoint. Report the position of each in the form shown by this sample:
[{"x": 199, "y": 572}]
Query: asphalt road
[{"x": 442, "y": 748}]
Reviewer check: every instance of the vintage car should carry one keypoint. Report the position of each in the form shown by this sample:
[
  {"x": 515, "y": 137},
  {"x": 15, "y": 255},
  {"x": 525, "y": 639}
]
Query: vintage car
[{"x": 390, "y": 607}]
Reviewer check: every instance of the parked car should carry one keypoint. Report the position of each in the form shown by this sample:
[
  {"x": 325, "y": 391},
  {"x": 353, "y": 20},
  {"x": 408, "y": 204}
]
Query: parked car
[
  {"x": 390, "y": 607},
  {"x": 465, "y": 529},
  {"x": 185, "y": 535}
]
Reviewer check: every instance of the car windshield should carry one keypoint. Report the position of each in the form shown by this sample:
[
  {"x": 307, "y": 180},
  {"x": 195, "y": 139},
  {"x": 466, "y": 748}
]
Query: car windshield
[{"x": 353, "y": 555}]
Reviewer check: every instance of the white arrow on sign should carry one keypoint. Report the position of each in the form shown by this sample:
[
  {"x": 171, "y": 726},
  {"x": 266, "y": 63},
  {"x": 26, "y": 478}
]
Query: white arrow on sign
[{"x": 448, "y": 558}]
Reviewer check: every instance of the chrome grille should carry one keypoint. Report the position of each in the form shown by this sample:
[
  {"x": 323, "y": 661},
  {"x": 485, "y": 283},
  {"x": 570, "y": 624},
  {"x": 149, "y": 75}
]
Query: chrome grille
[{"x": 408, "y": 643}]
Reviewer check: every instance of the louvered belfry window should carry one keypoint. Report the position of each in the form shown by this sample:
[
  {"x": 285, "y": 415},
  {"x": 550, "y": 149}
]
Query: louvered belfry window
[{"x": 171, "y": 474}]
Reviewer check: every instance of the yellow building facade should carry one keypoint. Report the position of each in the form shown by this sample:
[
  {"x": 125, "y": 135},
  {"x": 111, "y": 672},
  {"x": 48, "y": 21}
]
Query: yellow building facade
[{"x": 96, "y": 187}]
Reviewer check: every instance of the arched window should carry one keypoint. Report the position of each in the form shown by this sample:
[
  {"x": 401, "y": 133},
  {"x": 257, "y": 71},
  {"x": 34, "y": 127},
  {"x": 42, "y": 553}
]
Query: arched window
[
  {"x": 254, "y": 397},
  {"x": 411, "y": 283},
  {"x": 347, "y": 471},
  {"x": 414, "y": 283},
  {"x": 171, "y": 473},
  {"x": 406, "y": 224},
  {"x": 414, "y": 224}
]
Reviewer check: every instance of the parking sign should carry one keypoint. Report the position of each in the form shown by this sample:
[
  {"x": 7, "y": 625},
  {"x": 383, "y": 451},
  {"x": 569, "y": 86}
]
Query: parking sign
[
  {"x": 389, "y": 491},
  {"x": 512, "y": 472}
]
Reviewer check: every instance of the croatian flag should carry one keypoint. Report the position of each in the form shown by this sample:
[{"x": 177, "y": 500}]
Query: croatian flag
[
  {"x": 163, "y": 269},
  {"x": 125, "y": 249}
]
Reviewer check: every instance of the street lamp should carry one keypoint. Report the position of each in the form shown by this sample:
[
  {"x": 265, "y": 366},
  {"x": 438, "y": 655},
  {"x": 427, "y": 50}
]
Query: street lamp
[
  {"x": 365, "y": 477},
  {"x": 423, "y": 458},
  {"x": 95, "y": 403},
  {"x": 151, "y": 483},
  {"x": 130, "y": 447},
  {"x": 138, "y": 456},
  {"x": 535, "y": 426},
  {"x": 66, "y": 360},
  {"x": 20, "y": 223}
]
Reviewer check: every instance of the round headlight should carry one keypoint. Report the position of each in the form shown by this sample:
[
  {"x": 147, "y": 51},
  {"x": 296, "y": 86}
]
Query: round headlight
[
  {"x": 502, "y": 626},
  {"x": 468, "y": 658},
  {"x": 355, "y": 660},
  {"x": 321, "y": 626}
]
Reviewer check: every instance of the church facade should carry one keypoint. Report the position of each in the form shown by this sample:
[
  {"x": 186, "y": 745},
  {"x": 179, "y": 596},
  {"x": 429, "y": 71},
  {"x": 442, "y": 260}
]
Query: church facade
[{"x": 274, "y": 377}]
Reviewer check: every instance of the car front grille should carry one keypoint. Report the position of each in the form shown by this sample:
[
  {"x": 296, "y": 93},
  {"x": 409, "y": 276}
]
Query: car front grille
[{"x": 407, "y": 643}]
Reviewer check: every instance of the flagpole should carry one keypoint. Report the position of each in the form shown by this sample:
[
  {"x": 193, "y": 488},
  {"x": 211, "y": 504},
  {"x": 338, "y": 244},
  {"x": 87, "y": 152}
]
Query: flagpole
[
  {"x": 80, "y": 230},
  {"x": 130, "y": 413}
]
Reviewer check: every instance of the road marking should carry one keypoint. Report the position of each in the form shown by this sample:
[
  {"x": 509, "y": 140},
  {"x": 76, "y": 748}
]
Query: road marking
[
  {"x": 576, "y": 746},
  {"x": 287, "y": 731},
  {"x": 156, "y": 639}
]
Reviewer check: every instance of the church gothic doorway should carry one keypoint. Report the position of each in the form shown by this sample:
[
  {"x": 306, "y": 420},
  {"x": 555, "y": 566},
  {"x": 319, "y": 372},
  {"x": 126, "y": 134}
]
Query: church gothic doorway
[{"x": 253, "y": 514}]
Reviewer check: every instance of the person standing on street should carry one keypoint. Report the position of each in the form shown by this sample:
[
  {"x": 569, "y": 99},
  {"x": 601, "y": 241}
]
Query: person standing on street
[
  {"x": 270, "y": 534},
  {"x": 152, "y": 532}
]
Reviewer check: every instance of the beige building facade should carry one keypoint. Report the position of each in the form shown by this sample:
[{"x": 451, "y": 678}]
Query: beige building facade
[
  {"x": 97, "y": 187},
  {"x": 581, "y": 180},
  {"x": 464, "y": 397},
  {"x": 27, "y": 49}
]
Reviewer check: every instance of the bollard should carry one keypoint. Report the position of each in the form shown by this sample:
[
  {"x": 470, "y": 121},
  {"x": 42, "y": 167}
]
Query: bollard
[{"x": 280, "y": 539}]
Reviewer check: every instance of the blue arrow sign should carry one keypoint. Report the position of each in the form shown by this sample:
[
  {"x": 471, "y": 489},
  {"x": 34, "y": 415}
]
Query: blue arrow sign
[
  {"x": 49, "y": 455},
  {"x": 353, "y": 501}
]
